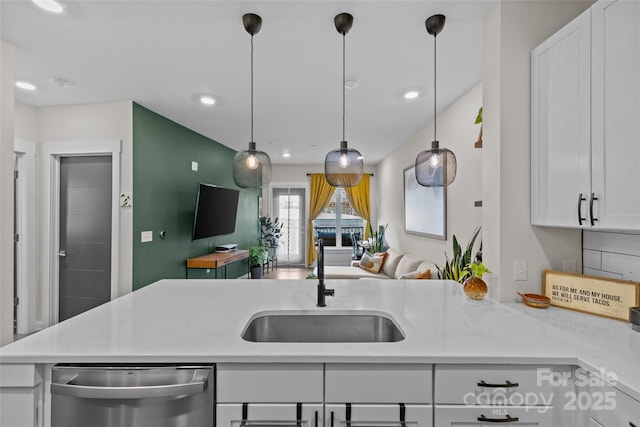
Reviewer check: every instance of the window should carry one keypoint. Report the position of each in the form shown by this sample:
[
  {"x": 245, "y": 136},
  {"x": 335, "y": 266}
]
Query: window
[{"x": 337, "y": 221}]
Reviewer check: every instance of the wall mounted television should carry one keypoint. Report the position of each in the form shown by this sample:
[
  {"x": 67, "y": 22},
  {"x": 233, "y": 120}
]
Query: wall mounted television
[{"x": 216, "y": 211}]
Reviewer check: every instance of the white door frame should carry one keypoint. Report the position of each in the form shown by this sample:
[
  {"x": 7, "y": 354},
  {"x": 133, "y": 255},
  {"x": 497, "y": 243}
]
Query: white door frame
[
  {"x": 52, "y": 151},
  {"x": 270, "y": 208},
  {"x": 26, "y": 229}
]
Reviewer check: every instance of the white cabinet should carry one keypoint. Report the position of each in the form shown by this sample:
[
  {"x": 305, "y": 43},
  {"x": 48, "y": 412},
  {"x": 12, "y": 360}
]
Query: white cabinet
[
  {"x": 560, "y": 126},
  {"x": 269, "y": 394},
  {"x": 615, "y": 106},
  {"x": 21, "y": 396},
  {"x": 378, "y": 394},
  {"x": 585, "y": 121},
  {"x": 515, "y": 394},
  {"x": 608, "y": 406}
]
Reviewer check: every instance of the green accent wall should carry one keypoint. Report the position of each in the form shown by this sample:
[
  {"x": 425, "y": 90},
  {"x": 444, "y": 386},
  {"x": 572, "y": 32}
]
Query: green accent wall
[{"x": 164, "y": 197}]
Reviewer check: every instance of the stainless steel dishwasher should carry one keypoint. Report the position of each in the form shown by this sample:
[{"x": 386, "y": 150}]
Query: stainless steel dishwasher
[{"x": 132, "y": 396}]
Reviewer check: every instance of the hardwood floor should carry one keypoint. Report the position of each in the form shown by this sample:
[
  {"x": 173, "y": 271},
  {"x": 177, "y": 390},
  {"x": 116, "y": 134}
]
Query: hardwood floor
[{"x": 287, "y": 273}]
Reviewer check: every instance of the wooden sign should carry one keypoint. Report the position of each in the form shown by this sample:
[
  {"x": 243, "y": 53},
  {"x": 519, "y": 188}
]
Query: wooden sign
[{"x": 591, "y": 294}]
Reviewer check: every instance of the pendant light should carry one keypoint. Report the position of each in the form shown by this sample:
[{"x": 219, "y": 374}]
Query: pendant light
[
  {"x": 252, "y": 168},
  {"x": 435, "y": 167},
  {"x": 343, "y": 167}
]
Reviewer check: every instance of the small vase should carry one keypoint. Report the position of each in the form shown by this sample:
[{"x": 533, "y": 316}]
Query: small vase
[{"x": 475, "y": 288}]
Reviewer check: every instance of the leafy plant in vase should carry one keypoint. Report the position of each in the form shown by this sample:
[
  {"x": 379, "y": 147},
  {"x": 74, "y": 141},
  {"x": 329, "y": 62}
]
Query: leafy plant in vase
[
  {"x": 257, "y": 256},
  {"x": 376, "y": 238},
  {"x": 458, "y": 268},
  {"x": 270, "y": 234},
  {"x": 474, "y": 287}
]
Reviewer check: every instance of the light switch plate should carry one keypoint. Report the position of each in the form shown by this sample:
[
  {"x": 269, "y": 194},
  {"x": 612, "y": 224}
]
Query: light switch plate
[
  {"x": 520, "y": 269},
  {"x": 146, "y": 236}
]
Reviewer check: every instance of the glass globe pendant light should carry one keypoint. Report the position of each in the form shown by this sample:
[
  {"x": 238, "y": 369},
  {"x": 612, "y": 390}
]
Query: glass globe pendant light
[
  {"x": 435, "y": 167},
  {"x": 343, "y": 167},
  {"x": 252, "y": 168}
]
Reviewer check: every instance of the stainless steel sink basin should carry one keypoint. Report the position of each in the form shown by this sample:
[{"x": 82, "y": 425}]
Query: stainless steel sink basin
[{"x": 314, "y": 326}]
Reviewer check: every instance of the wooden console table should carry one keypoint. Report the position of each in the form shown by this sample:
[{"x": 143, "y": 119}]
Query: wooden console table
[{"x": 216, "y": 260}]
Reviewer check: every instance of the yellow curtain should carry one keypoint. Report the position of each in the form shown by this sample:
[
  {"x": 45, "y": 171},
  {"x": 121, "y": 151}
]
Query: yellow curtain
[
  {"x": 359, "y": 198},
  {"x": 321, "y": 193}
]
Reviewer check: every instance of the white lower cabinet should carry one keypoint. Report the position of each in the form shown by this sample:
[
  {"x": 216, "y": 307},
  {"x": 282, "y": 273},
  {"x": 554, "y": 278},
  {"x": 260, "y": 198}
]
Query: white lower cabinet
[
  {"x": 265, "y": 414},
  {"x": 455, "y": 415},
  {"x": 507, "y": 394},
  {"x": 379, "y": 415},
  {"x": 21, "y": 396},
  {"x": 397, "y": 395},
  {"x": 608, "y": 406}
]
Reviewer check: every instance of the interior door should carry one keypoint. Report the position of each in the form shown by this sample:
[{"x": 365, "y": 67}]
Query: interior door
[
  {"x": 85, "y": 234},
  {"x": 289, "y": 206}
]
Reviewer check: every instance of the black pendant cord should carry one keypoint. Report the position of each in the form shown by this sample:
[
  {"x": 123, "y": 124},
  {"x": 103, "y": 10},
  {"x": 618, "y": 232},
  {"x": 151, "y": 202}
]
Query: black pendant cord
[
  {"x": 343, "y": 87},
  {"x": 435, "y": 47},
  {"x": 252, "y": 88}
]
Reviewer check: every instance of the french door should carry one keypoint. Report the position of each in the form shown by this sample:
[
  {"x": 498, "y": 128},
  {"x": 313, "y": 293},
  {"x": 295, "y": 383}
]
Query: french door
[{"x": 289, "y": 206}]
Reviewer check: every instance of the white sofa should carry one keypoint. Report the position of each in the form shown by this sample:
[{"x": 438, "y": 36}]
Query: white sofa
[{"x": 397, "y": 266}]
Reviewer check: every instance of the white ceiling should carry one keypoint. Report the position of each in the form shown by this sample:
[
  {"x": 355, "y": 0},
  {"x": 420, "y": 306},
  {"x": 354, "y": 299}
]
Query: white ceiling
[{"x": 165, "y": 54}]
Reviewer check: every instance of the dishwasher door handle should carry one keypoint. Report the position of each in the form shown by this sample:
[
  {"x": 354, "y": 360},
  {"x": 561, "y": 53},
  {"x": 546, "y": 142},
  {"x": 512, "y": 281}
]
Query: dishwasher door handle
[{"x": 198, "y": 384}]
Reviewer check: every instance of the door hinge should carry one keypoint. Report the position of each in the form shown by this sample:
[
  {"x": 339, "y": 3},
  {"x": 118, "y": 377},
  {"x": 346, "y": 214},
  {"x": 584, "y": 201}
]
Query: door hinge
[
  {"x": 16, "y": 174},
  {"x": 16, "y": 301},
  {"x": 16, "y": 238}
]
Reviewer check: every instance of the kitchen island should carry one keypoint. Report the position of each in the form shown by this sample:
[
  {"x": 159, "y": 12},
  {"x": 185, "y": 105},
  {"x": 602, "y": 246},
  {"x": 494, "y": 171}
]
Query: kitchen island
[{"x": 201, "y": 322}]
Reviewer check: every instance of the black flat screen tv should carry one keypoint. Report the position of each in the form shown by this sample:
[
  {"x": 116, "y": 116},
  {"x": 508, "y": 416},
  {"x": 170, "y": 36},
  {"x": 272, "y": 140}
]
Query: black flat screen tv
[{"x": 216, "y": 211}]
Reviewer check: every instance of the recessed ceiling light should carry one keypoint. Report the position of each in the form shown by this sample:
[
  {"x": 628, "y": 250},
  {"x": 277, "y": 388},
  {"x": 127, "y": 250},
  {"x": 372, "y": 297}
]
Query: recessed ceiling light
[
  {"x": 61, "y": 83},
  {"x": 286, "y": 155},
  {"x": 207, "y": 100},
  {"x": 25, "y": 85},
  {"x": 49, "y": 5},
  {"x": 412, "y": 94}
]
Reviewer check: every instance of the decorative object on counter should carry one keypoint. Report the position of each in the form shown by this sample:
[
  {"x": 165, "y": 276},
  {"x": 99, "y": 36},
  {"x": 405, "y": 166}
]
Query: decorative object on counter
[
  {"x": 252, "y": 168},
  {"x": 435, "y": 167},
  {"x": 257, "y": 256},
  {"x": 343, "y": 167},
  {"x": 535, "y": 300},
  {"x": 474, "y": 287},
  {"x": 459, "y": 266},
  {"x": 601, "y": 296},
  {"x": 478, "y": 143},
  {"x": 634, "y": 318},
  {"x": 376, "y": 239}
]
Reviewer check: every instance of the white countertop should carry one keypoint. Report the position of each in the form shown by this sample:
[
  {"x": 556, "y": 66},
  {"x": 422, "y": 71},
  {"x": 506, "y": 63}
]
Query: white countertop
[{"x": 201, "y": 321}]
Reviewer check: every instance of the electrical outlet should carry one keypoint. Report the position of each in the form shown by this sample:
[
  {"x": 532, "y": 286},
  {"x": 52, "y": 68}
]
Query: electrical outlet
[
  {"x": 194, "y": 166},
  {"x": 146, "y": 236},
  {"x": 520, "y": 269},
  {"x": 569, "y": 265}
]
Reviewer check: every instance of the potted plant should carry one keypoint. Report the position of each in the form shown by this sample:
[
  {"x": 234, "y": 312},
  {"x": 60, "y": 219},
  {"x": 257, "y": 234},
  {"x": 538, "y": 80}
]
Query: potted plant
[
  {"x": 474, "y": 287},
  {"x": 270, "y": 234},
  {"x": 376, "y": 238},
  {"x": 459, "y": 266},
  {"x": 257, "y": 256}
]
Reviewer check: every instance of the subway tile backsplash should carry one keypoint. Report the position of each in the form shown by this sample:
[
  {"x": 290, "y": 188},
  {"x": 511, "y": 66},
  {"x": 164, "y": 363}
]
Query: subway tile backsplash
[{"x": 611, "y": 254}]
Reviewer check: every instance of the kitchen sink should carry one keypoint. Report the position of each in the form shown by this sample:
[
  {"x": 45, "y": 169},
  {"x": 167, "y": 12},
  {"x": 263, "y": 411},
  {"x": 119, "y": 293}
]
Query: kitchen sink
[{"x": 325, "y": 327}]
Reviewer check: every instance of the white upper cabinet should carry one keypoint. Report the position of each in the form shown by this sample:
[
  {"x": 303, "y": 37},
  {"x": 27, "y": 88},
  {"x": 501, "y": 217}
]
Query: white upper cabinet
[
  {"x": 585, "y": 117},
  {"x": 615, "y": 106},
  {"x": 560, "y": 126}
]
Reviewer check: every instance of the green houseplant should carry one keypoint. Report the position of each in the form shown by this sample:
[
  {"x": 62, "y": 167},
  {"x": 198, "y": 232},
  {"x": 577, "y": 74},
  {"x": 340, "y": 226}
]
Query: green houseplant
[
  {"x": 257, "y": 257},
  {"x": 459, "y": 266},
  {"x": 376, "y": 238},
  {"x": 270, "y": 234}
]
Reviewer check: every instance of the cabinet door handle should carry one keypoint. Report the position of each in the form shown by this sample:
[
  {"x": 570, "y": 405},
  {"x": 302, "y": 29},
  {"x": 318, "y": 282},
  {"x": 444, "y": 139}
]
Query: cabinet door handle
[
  {"x": 631, "y": 424},
  {"x": 298, "y": 414},
  {"x": 507, "y": 384},
  {"x": 580, "y": 200},
  {"x": 507, "y": 419},
  {"x": 403, "y": 412},
  {"x": 331, "y": 418},
  {"x": 316, "y": 418},
  {"x": 593, "y": 197}
]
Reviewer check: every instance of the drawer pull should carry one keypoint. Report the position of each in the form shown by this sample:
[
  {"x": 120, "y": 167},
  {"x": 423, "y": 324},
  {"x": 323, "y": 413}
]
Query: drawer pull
[
  {"x": 403, "y": 411},
  {"x": 631, "y": 424},
  {"x": 507, "y": 419},
  {"x": 298, "y": 422},
  {"x": 507, "y": 384}
]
